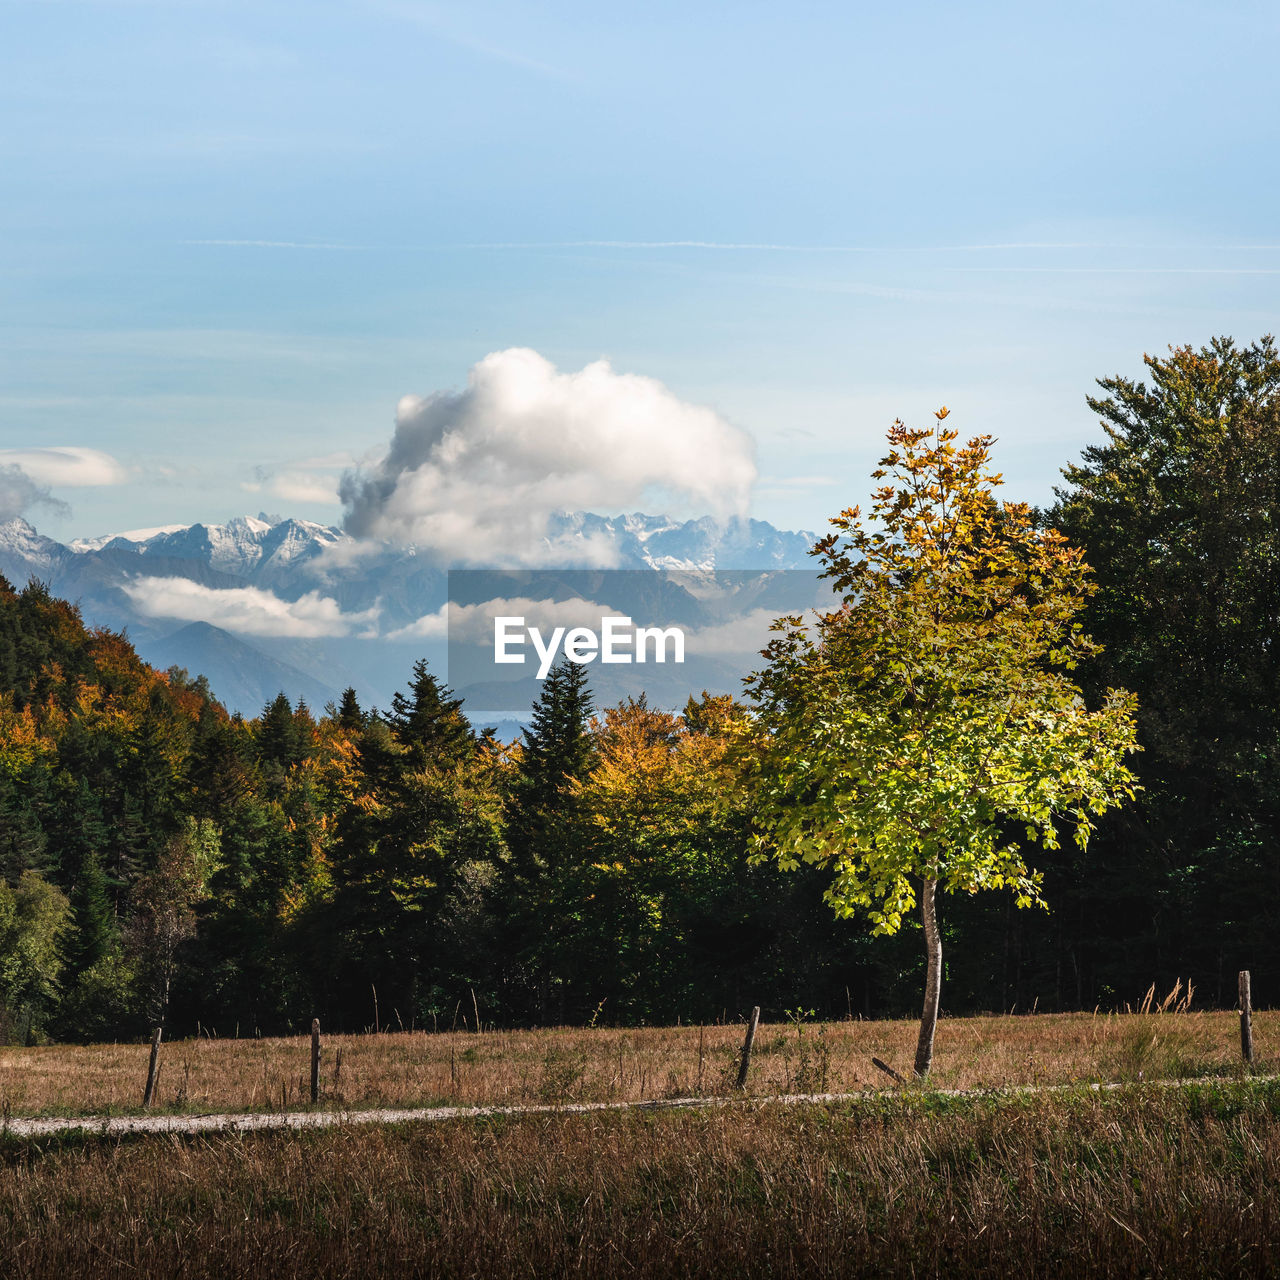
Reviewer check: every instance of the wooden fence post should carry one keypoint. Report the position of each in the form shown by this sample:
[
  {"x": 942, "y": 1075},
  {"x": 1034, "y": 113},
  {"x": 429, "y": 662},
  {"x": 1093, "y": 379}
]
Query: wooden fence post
[
  {"x": 746, "y": 1047},
  {"x": 153, "y": 1068},
  {"x": 315, "y": 1060},
  {"x": 1246, "y": 1017}
]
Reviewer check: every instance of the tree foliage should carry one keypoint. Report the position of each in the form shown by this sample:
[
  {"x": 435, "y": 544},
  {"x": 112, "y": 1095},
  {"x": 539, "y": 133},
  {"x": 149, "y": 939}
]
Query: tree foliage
[
  {"x": 1176, "y": 510},
  {"x": 926, "y": 732},
  {"x": 927, "y": 736},
  {"x": 34, "y": 917}
]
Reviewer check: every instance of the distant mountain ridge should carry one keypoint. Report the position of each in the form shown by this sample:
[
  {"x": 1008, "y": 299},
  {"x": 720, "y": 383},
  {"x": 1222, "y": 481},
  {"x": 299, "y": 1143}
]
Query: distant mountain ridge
[
  {"x": 246, "y": 546},
  {"x": 254, "y": 546},
  {"x": 312, "y": 570},
  {"x": 242, "y": 678}
]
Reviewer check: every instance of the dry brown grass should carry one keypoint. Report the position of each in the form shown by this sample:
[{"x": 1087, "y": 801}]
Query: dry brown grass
[
  {"x": 1142, "y": 1182},
  {"x": 605, "y": 1064}
]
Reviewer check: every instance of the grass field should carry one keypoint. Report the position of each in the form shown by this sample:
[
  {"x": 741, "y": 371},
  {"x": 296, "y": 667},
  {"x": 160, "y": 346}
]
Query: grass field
[
  {"x": 1142, "y": 1181},
  {"x": 605, "y": 1064}
]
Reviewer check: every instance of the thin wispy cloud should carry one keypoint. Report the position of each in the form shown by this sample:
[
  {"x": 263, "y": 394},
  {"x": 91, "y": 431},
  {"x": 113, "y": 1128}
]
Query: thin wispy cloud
[
  {"x": 766, "y": 246},
  {"x": 70, "y": 465},
  {"x": 294, "y": 487},
  {"x": 430, "y": 19},
  {"x": 710, "y": 246},
  {"x": 1123, "y": 271},
  {"x": 276, "y": 244},
  {"x": 19, "y": 493},
  {"x": 313, "y": 480}
]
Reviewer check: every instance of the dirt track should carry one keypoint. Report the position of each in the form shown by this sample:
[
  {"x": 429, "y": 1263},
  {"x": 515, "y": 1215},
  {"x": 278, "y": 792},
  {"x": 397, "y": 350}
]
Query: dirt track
[{"x": 44, "y": 1126}]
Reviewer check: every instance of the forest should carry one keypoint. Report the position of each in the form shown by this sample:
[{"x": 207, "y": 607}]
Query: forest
[{"x": 162, "y": 861}]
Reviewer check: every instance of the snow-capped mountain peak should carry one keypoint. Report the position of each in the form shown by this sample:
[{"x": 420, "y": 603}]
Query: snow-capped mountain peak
[
  {"x": 21, "y": 544},
  {"x": 312, "y": 588},
  {"x": 131, "y": 536},
  {"x": 241, "y": 547}
]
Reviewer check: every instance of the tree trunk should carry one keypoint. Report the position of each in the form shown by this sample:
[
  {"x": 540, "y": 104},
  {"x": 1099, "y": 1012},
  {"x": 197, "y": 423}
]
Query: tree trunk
[{"x": 933, "y": 977}]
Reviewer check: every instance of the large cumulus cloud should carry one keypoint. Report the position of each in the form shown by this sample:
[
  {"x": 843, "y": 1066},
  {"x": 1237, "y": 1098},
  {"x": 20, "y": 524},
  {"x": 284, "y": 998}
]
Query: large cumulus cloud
[{"x": 473, "y": 476}]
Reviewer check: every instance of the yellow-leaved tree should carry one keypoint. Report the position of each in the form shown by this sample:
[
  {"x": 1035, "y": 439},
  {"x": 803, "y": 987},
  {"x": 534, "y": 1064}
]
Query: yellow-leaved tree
[{"x": 908, "y": 738}]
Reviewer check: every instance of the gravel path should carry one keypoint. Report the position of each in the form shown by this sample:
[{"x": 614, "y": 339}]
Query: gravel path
[
  {"x": 41, "y": 1126},
  {"x": 44, "y": 1126}
]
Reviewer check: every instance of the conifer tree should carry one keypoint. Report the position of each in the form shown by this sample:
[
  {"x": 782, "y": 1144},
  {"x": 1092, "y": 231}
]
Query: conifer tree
[
  {"x": 557, "y": 747},
  {"x": 428, "y": 720},
  {"x": 83, "y": 840},
  {"x": 349, "y": 714},
  {"x": 543, "y": 827},
  {"x": 93, "y": 920},
  {"x": 279, "y": 741}
]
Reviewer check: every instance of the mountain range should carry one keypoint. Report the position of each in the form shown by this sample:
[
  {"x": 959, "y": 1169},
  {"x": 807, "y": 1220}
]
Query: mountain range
[{"x": 264, "y": 603}]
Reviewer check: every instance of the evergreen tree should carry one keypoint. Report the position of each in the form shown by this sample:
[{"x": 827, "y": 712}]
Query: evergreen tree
[
  {"x": 1177, "y": 513},
  {"x": 23, "y": 843},
  {"x": 409, "y": 861},
  {"x": 557, "y": 749},
  {"x": 428, "y": 721},
  {"x": 279, "y": 740},
  {"x": 349, "y": 714},
  {"x": 82, "y": 839},
  {"x": 545, "y": 835},
  {"x": 220, "y": 767},
  {"x": 93, "y": 931}
]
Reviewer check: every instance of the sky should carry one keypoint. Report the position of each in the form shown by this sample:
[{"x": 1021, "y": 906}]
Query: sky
[{"x": 244, "y": 245}]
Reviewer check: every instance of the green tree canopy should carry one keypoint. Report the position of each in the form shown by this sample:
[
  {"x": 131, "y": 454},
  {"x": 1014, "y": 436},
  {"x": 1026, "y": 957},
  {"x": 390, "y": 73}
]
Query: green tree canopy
[
  {"x": 1176, "y": 512},
  {"x": 166, "y": 899},
  {"x": 34, "y": 916},
  {"x": 428, "y": 720},
  {"x": 913, "y": 735}
]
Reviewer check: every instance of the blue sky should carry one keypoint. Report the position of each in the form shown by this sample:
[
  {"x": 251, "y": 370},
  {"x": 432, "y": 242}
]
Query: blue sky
[{"x": 234, "y": 235}]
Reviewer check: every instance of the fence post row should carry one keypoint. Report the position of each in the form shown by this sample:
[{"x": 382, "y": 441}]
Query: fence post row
[{"x": 153, "y": 1067}]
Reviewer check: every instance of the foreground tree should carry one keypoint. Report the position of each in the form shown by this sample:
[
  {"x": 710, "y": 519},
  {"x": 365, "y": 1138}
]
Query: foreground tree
[{"x": 903, "y": 739}]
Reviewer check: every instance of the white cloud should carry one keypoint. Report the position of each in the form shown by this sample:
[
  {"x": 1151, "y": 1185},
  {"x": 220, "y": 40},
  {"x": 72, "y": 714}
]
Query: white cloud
[
  {"x": 303, "y": 481},
  {"x": 431, "y": 626},
  {"x": 71, "y": 466},
  {"x": 305, "y": 488},
  {"x": 474, "y": 476},
  {"x": 744, "y": 635},
  {"x": 473, "y": 623},
  {"x": 297, "y": 487},
  {"x": 248, "y": 610}
]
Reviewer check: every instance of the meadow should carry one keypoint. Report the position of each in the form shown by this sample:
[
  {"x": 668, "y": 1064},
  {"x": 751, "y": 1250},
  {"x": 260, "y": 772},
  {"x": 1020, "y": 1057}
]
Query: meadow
[
  {"x": 210, "y": 1074},
  {"x": 1141, "y": 1181}
]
